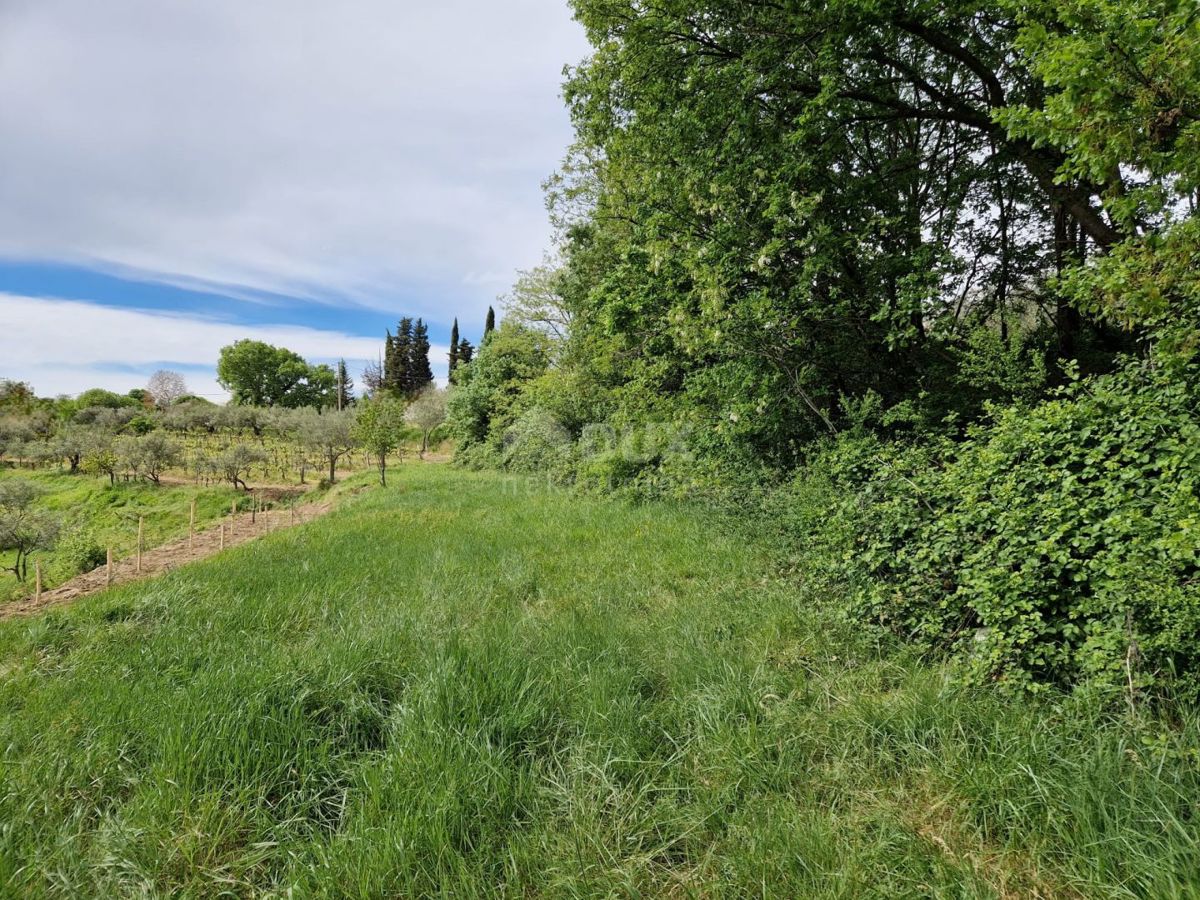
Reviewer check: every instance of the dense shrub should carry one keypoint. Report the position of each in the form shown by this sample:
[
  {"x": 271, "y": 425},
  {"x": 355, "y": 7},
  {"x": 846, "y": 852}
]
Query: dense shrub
[{"x": 1057, "y": 544}]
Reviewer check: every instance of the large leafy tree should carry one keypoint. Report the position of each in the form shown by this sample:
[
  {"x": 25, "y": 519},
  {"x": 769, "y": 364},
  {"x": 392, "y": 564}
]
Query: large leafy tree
[
  {"x": 258, "y": 374},
  {"x": 801, "y": 202}
]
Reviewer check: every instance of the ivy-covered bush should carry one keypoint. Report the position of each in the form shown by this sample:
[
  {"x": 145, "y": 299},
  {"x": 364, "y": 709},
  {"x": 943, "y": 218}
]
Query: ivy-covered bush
[{"x": 1058, "y": 544}]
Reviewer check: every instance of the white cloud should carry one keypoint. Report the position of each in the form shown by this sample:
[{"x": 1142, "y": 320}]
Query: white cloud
[
  {"x": 349, "y": 148},
  {"x": 64, "y": 346}
]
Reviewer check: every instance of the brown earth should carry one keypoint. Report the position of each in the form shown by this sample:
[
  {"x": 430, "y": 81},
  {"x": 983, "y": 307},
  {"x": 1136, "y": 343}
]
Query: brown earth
[{"x": 237, "y": 529}]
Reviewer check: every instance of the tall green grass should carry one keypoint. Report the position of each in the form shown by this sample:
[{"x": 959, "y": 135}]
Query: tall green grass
[{"x": 466, "y": 686}]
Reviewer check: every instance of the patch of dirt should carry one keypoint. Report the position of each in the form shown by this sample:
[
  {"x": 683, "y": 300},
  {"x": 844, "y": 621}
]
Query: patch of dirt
[{"x": 239, "y": 529}]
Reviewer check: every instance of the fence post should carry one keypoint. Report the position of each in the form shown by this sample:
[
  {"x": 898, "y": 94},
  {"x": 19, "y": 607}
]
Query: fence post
[
  {"x": 222, "y": 547},
  {"x": 37, "y": 579},
  {"x": 253, "y": 509},
  {"x": 108, "y": 572},
  {"x": 138, "y": 568}
]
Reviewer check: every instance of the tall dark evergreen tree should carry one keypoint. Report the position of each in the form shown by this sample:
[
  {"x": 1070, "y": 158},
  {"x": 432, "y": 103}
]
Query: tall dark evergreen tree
[
  {"x": 465, "y": 352},
  {"x": 345, "y": 386},
  {"x": 454, "y": 345},
  {"x": 490, "y": 325},
  {"x": 420, "y": 375},
  {"x": 399, "y": 378},
  {"x": 387, "y": 373}
]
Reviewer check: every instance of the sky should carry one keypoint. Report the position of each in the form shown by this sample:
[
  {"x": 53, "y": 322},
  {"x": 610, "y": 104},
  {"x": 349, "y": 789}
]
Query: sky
[{"x": 179, "y": 174}]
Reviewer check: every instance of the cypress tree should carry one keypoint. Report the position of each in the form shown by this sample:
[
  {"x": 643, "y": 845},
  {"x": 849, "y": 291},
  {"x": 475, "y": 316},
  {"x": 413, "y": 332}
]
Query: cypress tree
[
  {"x": 345, "y": 384},
  {"x": 401, "y": 383},
  {"x": 465, "y": 352},
  {"x": 454, "y": 344},
  {"x": 388, "y": 375},
  {"x": 490, "y": 325},
  {"x": 420, "y": 374}
]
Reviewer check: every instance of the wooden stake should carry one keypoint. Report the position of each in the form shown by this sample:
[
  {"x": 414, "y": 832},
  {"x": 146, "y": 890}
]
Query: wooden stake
[
  {"x": 222, "y": 547},
  {"x": 108, "y": 572},
  {"x": 192, "y": 526},
  {"x": 37, "y": 579},
  {"x": 253, "y": 510},
  {"x": 141, "y": 522}
]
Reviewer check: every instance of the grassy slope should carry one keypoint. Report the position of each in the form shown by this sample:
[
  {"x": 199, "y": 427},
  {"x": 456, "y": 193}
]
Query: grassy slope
[
  {"x": 459, "y": 687},
  {"x": 110, "y": 514}
]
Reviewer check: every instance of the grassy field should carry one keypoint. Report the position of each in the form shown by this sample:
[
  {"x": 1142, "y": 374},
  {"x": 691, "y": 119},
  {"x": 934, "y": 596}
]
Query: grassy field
[
  {"x": 466, "y": 686},
  {"x": 108, "y": 516}
]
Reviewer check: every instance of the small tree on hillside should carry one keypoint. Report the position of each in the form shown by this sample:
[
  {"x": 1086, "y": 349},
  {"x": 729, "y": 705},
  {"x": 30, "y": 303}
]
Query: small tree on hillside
[
  {"x": 23, "y": 528},
  {"x": 234, "y": 464},
  {"x": 331, "y": 436},
  {"x": 427, "y": 412},
  {"x": 379, "y": 427},
  {"x": 152, "y": 454},
  {"x": 100, "y": 456},
  {"x": 71, "y": 444}
]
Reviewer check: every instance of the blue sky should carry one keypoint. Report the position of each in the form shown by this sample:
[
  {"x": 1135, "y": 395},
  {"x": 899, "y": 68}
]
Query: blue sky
[{"x": 176, "y": 174}]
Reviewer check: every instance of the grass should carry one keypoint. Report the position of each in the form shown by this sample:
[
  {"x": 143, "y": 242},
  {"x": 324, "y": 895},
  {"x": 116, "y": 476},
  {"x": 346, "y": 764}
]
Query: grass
[
  {"x": 98, "y": 515},
  {"x": 467, "y": 686}
]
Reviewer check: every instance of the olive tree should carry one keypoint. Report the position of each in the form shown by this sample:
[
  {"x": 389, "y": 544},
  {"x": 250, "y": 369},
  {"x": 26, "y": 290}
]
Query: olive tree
[
  {"x": 427, "y": 412},
  {"x": 23, "y": 528},
  {"x": 331, "y": 435},
  {"x": 235, "y": 463},
  {"x": 379, "y": 427},
  {"x": 150, "y": 455}
]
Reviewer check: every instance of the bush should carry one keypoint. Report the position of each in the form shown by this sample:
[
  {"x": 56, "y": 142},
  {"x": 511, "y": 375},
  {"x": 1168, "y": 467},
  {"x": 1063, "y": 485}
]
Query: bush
[
  {"x": 80, "y": 550},
  {"x": 1054, "y": 546}
]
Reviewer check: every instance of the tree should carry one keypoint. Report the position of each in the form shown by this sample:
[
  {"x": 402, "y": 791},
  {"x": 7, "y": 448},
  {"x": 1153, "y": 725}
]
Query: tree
[
  {"x": 151, "y": 454},
  {"x": 330, "y": 435},
  {"x": 23, "y": 528},
  {"x": 453, "y": 346},
  {"x": 537, "y": 301},
  {"x": 345, "y": 386},
  {"x": 466, "y": 352},
  {"x": 102, "y": 399},
  {"x": 379, "y": 427},
  {"x": 100, "y": 454},
  {"x": 258, "y": 374},
  {"x": 427, "y": 412},
  {"x": 397, "y": 362},
  {"x": 71, "y": 444},
  {"x": 483, "y": 404},
  {"x": 420, "y": 374},
  {"x": 166, "y": 387},
  {"x": 489, "y": 324},
  {"x": 372, "y": 377},
  {"x": 16, "y": 396},
  {"x": 235, "y": 463}
]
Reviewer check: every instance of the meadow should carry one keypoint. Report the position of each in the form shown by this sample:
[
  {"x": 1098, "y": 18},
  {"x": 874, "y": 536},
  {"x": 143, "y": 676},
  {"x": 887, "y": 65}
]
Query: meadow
[{"x": 468, "y": 685}]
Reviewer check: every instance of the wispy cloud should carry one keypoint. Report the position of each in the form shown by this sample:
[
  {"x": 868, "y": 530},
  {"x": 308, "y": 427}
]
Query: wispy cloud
[
  {"x": 334, "y": 151},
  {"x": 64, "y": 346}
]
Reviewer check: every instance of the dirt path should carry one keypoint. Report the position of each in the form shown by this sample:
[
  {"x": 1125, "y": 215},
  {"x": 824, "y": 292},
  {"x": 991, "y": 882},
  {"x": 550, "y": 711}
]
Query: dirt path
[{"x": 239, "y": 529}]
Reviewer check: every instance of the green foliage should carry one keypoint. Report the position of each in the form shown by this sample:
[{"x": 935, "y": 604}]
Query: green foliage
[
  {"x": 258, "y": 374},
  {"x": 484, "y": 403},
  {"x": 1056, "y": 545},
  {"x": 379, "y": 428},
  {"x": 79, "y": 551}
]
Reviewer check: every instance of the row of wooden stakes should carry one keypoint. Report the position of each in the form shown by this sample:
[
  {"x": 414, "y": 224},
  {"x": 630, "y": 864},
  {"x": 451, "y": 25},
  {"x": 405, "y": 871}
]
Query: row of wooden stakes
[{"x": 108, "y": 571}]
